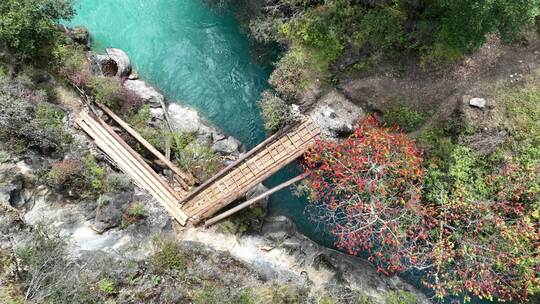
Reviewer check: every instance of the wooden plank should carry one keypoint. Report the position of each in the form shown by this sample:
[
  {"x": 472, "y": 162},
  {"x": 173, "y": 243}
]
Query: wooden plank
[
  {"x": 116, "y": 145},
  {"x": 237, "y": 162},
  {"x": 127, "y": 168},
  {"x": 197, "y": 218},
  {"x": 188, "y": 178},
  {"x": 139, "y": 160},
  {"x": 123, "y": 158},
  {"x": 254, "y": 200},
  {"x": 209, "y": 210}
]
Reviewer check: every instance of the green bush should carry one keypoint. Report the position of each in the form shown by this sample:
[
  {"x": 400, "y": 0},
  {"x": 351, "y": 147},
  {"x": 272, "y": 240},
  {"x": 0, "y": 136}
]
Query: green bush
[
  {"x": 242, "y": 221},
  {"x": 382, "y": 29},
  {"x": 198, "y": 159},
  {"x": 168, "y": 256},
  {"x": 50, "y": 118},
  {"x": 105, "y": 90},
  {"x": 48, "y": 274},
  {"x": 27, "y": 121},
  {"x": 107, "y": 286},
  {"x": 406, "y": 118},
  {"x": 26, "y": 26},
  {"x": 275, "y": 112},
  {"x": 274, "y": 293},
  {"x": 80, "y": 177},
  {"x": 4, "y": 156}
]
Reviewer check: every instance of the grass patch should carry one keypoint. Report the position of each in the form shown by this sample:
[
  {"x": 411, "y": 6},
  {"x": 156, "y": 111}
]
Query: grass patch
[
  {"x": 406, "y": 118},
  {"x": 401, "y": 297},
  {"x": 168, "y": 257},
  {"x": 107, "y": 286}
]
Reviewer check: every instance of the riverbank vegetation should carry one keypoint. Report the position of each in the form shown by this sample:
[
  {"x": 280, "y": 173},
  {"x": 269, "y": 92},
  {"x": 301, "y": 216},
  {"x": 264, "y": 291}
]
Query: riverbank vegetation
[
  {"x": 468, "y": 218},
  {"x": 325, "y": 38}
]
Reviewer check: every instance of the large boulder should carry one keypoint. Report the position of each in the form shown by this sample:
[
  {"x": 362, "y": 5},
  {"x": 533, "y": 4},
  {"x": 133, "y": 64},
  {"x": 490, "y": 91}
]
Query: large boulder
[
  {"x": 123, "y": 63},
  {"x": 184, "y": 119},
  {"x": 115, "y": 63},
  {"x": 187, "y": 120},
  {"x": 227, "y": 146},
  {"x": 336, "y": 115},
  {"x": 146, "y": 92},
  {"x": 110, "y": 210}
]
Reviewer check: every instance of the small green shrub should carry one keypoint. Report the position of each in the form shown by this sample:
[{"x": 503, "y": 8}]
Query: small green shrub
[
  {"x": 119, "y": 182},
  {"x": 275, "y": 112},
  {"x": 242, "y": 221},
  {"x": 273, "y": 293},
  {"x": 168, "y": 256},
  {"x": 291, "y": 76},
  {"x": 406, "y": 118},
  {"x": 138, "y": 210},
  {"x": 4, "y": 156},
  {"x": 140, "y": 118},
  {"x": 78, "y": 177},
  {"x": 200, "y": 160},
  {"x": 105, "y": 90},
  {"x": 70, "y": 61},
  {"x": 107, "y": 286},
  {"x": 95, "y": 175},
  {"x": 51, "y": 118},
  {"x": 401, "y": 297}
]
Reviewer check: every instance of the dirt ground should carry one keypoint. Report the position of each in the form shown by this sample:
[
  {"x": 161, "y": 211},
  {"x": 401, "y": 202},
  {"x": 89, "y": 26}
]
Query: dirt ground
[{"x": 443, "y": 90}]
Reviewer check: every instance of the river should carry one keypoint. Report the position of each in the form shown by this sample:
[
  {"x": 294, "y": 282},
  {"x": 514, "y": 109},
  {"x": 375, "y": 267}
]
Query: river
[{"x": 198, "y": 57}]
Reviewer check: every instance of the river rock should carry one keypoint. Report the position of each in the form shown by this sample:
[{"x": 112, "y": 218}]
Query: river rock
[
  {"x": 110, "y": 209},
  {"x": 11, "y": 186},
  {"x": 187, "y": 120},
  {"x": 146, "y": 92},
  {"x": 336, "y": 115},
  {"x": 258, "y": 190},
  {"x": 123, "y": 63},
  {"x": 227, "y": 146},
  {"x": 184, "y": 119}
]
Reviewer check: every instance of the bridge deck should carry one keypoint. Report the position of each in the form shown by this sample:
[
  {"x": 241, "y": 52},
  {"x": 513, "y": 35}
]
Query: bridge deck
[
  {"x": 131, "y": 163},
  {"x": 227, "y": 186},
  {"x": 248, "y": 173}
]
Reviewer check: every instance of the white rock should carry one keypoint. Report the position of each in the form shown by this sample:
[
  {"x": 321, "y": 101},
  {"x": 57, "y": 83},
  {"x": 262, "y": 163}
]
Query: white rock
[
  {"x": 122, "y": 61},
  {"x": 478, "y": 103},
  {"x": 336, "y": 115},
  {"x": 146, "y": 92}
]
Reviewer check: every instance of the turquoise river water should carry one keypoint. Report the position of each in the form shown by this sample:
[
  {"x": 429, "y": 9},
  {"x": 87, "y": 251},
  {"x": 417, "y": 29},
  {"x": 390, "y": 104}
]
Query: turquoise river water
[{"x": 198, "y": 57}]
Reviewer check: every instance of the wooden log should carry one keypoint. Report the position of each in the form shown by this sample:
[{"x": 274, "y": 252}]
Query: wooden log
[
  {"x": 218, "y": 175},
  {"x": 187, "y": 177},
  {"x": 254, "y": 200}
]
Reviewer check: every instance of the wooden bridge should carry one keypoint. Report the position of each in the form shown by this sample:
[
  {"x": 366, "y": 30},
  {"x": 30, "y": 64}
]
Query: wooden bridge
[{"x": 216, "y": 193}]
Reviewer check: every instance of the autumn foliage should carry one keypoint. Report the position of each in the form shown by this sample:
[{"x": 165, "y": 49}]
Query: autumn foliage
[{"x": 369, "y": 191}]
